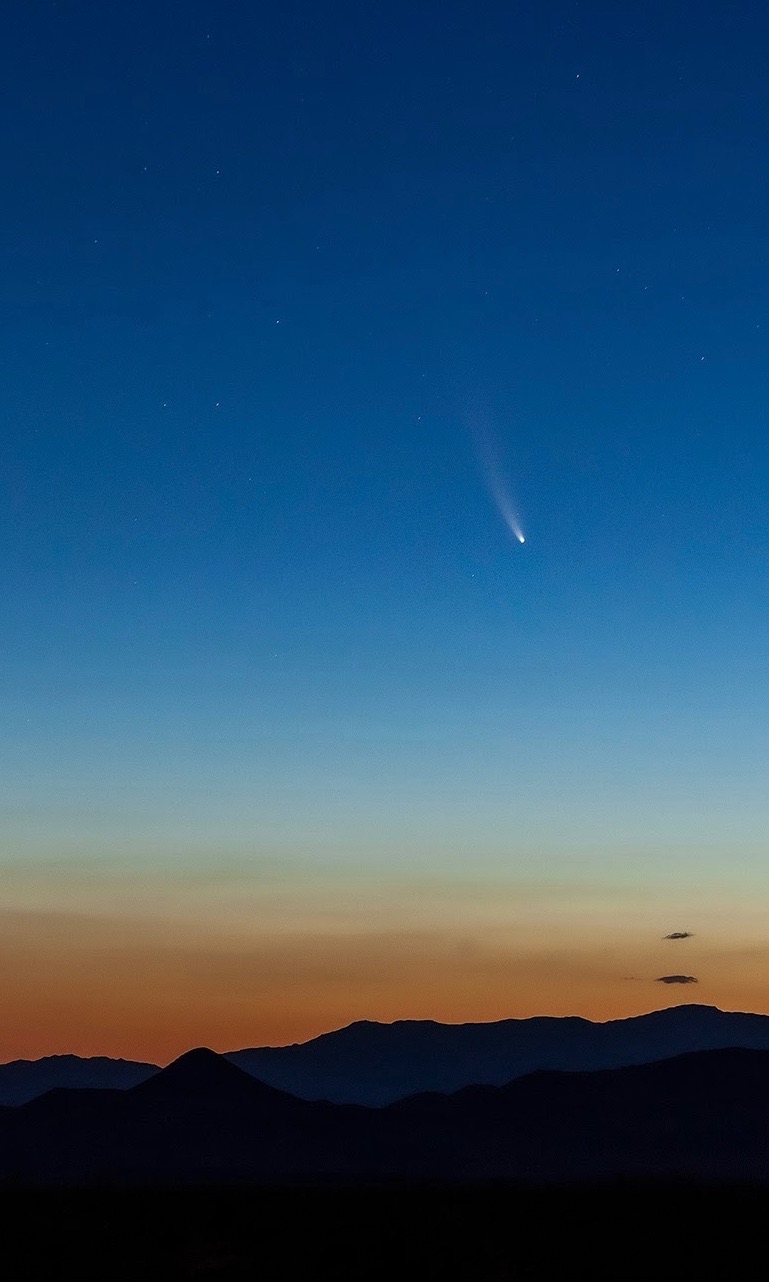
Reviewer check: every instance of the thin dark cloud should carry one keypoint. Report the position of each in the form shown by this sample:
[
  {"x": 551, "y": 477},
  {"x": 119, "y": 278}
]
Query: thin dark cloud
[
  {"x": 680, "y": 934},
  {"x": 676, "y": 979}
]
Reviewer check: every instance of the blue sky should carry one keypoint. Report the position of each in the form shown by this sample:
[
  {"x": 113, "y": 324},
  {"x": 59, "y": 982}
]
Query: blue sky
[{"x": 269, "y": 271}]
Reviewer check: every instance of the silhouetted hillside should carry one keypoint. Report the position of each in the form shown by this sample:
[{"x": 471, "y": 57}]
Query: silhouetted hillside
[
  {"x": 202, "y": 1074},
  {"x": 201, "y": 1119},
  {"x": 703, "y": 1115},
  {"x": 23, "y": 1079},
  {"x": 376, "y": 1064},
  {"x": 370, "y": 1063}
]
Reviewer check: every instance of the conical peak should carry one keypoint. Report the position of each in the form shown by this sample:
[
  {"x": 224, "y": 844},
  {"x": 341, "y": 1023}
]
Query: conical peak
[
  {"x": 201, "y": 1074},
  {"x": 198, "y": 1057},
  {"x": 199, "y": 1071}
]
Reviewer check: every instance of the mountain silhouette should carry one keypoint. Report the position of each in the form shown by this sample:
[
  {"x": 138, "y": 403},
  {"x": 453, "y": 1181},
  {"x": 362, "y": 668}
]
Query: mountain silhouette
[
  {"x": 375, "y": 1064},
  {"x": 23, "y": 1079},
  {"x": 703, "y": 1115},
  {"x": 201, "y": 1119},
  {"x": 202, "y": 1074}
]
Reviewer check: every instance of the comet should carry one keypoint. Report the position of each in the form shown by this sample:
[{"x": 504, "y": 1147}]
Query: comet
[{"x": 497, "y": 482}]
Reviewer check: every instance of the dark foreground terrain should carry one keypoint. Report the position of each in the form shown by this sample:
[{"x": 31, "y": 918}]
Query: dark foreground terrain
[
  {"x": 631, "y": 1231},
  {"x": 204, "y": 1122}
]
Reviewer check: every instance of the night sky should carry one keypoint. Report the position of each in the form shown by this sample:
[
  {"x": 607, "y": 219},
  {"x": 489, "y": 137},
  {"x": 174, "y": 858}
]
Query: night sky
[{"x": 303, "y": 304}]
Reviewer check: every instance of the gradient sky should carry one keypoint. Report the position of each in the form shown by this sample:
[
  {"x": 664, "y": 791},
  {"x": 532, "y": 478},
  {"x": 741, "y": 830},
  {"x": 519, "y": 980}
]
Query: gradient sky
[{"x": 294, "y": 731}]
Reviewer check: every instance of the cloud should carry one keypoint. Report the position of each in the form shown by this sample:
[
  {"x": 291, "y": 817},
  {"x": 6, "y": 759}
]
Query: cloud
[
  {"x": 676, "y": 979},
  {"x": 680, "y": 934}
]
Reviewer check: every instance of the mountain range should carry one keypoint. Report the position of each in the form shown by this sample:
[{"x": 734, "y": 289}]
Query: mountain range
[
  {"x": 376, "y": 1064},
  {"x": 204, "y": 1121}
]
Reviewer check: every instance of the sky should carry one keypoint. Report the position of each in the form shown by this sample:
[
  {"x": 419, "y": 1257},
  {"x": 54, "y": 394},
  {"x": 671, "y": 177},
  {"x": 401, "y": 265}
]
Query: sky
[{"x": 305, "y": 306}]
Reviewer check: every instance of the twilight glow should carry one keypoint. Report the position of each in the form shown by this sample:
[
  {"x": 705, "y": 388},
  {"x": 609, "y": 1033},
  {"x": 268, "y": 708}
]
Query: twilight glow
[{"x": 291, "y": 734}]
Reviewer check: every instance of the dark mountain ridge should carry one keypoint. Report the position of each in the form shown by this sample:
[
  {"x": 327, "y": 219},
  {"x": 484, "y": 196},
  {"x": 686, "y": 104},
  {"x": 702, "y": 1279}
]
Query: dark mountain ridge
[
  {"x": 201, "y": 1074},
  {"x": 703, "y": 1115},
  {"x": 375, "y": 1064},
  {"x": 23, "y": 1079}
]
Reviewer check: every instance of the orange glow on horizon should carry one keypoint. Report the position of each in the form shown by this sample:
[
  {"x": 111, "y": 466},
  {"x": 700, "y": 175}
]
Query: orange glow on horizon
[{"x": 88, "y": 986}]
